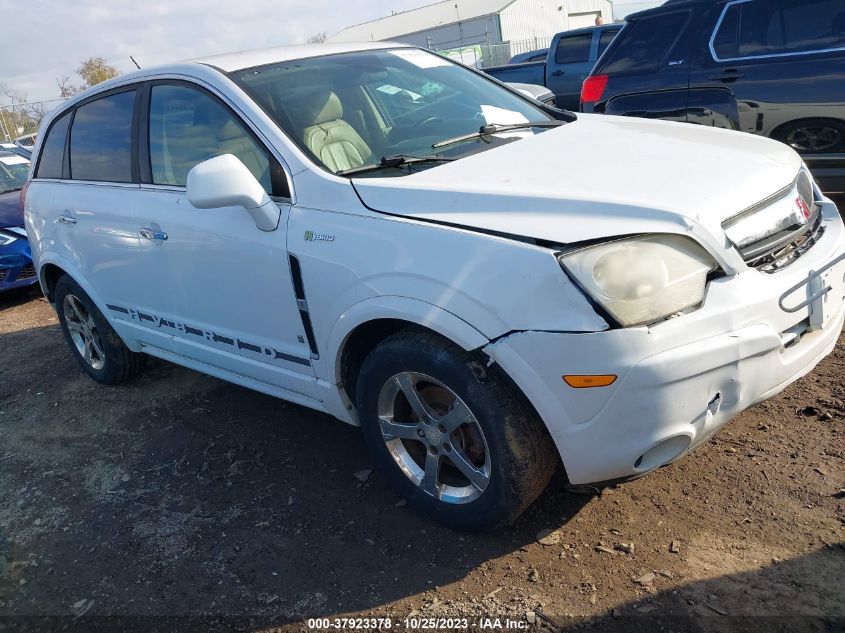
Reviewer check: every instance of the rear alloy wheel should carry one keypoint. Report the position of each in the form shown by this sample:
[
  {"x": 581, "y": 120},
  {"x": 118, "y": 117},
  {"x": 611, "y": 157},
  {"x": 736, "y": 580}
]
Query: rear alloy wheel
[
  {"x": 96, "y": 346},
  {"x": 83, "y": 332},
  {"x": 814, "y": 136},
  {"x": 451, "y": 433}
]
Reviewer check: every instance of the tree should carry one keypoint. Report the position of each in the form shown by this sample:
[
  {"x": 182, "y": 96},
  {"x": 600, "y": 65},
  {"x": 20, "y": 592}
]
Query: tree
[
  {"x": 93, "y": 70},
  {"x": 19, "y": 116},
  {"x": 318, "y": 38},
  {"x": 66, "y": 89},
  {"x": 96, "y": 70}
]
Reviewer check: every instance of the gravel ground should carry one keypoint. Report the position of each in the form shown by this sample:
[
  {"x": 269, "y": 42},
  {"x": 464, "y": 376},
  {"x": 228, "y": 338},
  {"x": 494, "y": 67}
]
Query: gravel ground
[{"x": 183, "y": 496}]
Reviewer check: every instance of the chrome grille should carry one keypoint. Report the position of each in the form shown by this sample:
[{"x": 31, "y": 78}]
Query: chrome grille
[
  {"x": 788, "y": 250},
  {"x": 775, "y": 233}
]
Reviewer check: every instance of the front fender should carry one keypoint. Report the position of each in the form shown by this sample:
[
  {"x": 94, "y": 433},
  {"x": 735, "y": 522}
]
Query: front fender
[{"x": 401, "y": 308}]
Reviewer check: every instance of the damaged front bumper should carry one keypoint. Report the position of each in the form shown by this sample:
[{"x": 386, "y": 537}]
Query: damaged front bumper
[{"x": 680, "y": 381}]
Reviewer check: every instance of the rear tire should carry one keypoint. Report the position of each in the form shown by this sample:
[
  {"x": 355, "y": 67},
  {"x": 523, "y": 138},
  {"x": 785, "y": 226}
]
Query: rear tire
[
  {"x": 471, "y": 453},
  {"x": 93, "y": 342}
]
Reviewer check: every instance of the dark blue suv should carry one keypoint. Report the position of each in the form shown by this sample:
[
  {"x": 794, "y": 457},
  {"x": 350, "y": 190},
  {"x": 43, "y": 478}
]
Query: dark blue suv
[{"x": 770, "y": 67}]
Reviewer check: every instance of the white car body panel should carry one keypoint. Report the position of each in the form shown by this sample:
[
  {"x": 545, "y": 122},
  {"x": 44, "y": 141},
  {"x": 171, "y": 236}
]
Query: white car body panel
[
  {"x": 467, "y": 249},
  {"x": 653, "y": 189}
]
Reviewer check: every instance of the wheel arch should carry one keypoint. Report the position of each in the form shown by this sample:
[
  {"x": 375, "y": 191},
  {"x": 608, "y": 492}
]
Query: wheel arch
[
  {"x": 49, "y": 276},
  {"x": 51, "y": 270},
  {"x": 367, "y": 323}
]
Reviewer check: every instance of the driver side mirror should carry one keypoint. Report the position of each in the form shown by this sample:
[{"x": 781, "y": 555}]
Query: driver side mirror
[{"x": 224, "y": 181}]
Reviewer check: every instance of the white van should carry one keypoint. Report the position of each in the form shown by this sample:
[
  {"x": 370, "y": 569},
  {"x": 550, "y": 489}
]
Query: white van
[{"x": 486, "y": 285}]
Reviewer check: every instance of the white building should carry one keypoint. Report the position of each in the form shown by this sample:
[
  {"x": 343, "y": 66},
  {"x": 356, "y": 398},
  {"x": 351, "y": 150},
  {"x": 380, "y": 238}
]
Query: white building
[{"x": 456, "y": 24}]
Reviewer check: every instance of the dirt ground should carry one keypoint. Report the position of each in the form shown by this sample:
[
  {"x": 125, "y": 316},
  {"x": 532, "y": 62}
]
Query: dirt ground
[{"x": 181, "y": 501}]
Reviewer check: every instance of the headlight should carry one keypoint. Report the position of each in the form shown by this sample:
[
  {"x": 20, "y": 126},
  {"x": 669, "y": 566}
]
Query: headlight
[
  {"x": 645, "y": 279},
  {"x": 7, "y": 238}
]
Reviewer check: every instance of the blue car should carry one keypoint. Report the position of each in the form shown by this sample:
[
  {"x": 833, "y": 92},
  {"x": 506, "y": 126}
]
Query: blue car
[{"x": 16, "y": 269}]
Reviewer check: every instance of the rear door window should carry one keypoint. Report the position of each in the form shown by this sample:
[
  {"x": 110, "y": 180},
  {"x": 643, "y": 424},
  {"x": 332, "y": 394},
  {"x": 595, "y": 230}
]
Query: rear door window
[
  {"x": 53, "y": 152},
  {"x": 761, "y": 28},
  {"x": 645, "y": 44},
  {"x": 574, "y": 49},
  {"x": 101, "y": 139}
]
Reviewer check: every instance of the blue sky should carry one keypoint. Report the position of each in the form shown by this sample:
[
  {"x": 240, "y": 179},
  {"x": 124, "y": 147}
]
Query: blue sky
[{"x": 49, "y": 38}]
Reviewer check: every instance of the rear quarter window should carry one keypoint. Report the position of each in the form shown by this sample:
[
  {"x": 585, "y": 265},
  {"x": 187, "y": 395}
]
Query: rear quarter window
[
  {"x": 644, "y": 44},
  {"x": 606, "y": 38},
  {"x": 51, "y": 162}
]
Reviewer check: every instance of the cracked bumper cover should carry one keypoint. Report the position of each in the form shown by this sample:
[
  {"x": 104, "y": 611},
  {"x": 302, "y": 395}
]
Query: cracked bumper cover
[{"x": 678, "y": 381}]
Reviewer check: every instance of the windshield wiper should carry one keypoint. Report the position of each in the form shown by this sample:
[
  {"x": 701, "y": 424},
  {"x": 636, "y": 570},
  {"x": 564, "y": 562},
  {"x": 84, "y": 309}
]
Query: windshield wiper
[
  {"x": 494, "y": 128},
  {"x": 399, "y": 160}
]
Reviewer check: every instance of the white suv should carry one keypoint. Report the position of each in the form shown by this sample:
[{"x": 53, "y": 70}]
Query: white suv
[{"x": 486, "y": 285}]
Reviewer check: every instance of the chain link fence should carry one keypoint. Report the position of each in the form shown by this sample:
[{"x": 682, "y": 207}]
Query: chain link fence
[
  {"x": 487, "y": 55},
  {"x": 18, "y": 121}
]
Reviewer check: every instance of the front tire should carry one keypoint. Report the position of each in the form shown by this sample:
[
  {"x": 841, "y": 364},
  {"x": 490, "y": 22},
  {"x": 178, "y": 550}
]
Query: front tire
[
  {"x": 93, "y": 342},
  {"x": 452, "y": 434}
]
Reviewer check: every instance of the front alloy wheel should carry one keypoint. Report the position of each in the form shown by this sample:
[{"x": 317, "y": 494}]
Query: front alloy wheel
[
  {"x": 434, "y": 438},
  {"x": 451, "y": 432}
]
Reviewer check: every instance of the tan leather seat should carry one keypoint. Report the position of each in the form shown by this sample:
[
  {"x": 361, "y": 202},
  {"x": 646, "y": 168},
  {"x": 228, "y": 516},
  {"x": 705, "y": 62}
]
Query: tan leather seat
[{"x": 328, "y": 136}]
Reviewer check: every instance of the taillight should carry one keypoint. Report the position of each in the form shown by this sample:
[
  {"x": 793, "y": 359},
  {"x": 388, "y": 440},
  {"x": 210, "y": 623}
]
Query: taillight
[
  {"x": 593, "y": 88},
  {"x": 23, "y": 194}
]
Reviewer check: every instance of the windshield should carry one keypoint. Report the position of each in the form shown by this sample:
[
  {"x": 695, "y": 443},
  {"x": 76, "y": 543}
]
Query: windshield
[
  {"x": 350, "y": 110},
  {"x": 13, "y": 172}
]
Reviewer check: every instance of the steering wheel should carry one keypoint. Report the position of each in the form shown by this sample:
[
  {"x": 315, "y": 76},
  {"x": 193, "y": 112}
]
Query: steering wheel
[{"x": 428, "y": 121}]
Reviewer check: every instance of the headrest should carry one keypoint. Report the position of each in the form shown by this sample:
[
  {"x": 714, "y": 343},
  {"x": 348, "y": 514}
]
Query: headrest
[{"x": 320, "y": 107}]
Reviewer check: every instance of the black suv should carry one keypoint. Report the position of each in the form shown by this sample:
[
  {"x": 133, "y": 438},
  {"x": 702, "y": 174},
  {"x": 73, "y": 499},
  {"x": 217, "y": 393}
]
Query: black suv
[{"x": 770, "y": 67}]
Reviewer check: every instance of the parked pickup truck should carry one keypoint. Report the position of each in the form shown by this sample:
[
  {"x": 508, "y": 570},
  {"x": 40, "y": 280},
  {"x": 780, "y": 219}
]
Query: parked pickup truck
[{"x": 570, "y": 59}]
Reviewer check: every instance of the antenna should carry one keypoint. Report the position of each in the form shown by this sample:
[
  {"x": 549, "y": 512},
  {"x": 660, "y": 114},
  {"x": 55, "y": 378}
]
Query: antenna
[{"x": 134, "y": 62}]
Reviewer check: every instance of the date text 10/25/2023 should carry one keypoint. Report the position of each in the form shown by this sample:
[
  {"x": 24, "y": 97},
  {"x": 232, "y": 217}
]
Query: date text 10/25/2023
[{"x": 415, "y": 623}]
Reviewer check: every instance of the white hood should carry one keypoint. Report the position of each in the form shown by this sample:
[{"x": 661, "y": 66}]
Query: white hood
[{"x": 599, "y": 176}]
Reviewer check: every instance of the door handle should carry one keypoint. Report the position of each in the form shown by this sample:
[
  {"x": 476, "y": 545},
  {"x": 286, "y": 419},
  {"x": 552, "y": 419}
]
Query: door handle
[
  {"x": 728, "y": 76},
  {"x": 150, "y": 234},
  {"x": 558, "y": 73},
  {"x": 64, "y": 219}
]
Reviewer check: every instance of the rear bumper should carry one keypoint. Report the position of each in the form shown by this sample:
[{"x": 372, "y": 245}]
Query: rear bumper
[{"x": 678, "y": 381}]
